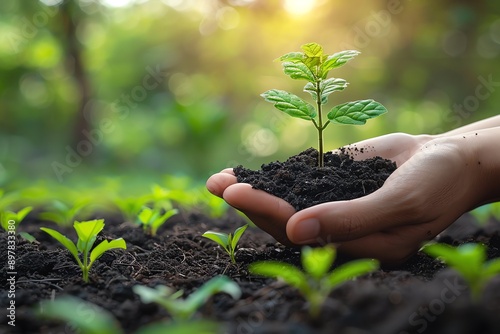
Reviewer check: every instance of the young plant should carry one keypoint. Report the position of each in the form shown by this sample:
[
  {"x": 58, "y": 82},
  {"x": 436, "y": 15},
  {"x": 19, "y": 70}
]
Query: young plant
[
  {"x": 313, "y": 66},
  {"x": 64, "y": 213},
  {"x": 152, "y": 219},
  {"x": 470, "y": 261},
  {"x": 315, "y": 283},
  {"x": 227, "y": 241},
  {"x": 16, "y": 218},
  {"x": 182, "y": 310},
  {"x": 87, "y": 233},
  {"x": 64, "y": 308}
]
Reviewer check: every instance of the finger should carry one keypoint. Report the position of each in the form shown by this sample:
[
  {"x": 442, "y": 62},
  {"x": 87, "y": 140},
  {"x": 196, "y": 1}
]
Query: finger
[
  {"x": 268, "y": 212},
  {"x": 217, "y": 183}
]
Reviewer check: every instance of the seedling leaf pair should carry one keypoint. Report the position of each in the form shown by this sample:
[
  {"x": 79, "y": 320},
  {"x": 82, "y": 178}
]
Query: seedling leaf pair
[
  {"x": 470, "y": 261},
  {"x": 87, "y": 233},
  {"x": 227, "y": 241},
  {"x": 313, "y": 66},
  {"x": 152, "y": 219},
  {"x": 184, "y": 309},
  {"x": 315, "y": 283}
]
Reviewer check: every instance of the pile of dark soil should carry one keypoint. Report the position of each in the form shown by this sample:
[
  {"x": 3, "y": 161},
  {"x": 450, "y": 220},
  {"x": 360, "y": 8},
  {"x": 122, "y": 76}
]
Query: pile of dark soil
[
  {"x": 300, "y": 181},
  {"x": 421, "y": 296}
]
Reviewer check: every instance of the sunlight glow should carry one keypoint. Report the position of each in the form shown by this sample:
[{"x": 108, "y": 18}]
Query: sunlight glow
[{"x": 299, "y": 7}]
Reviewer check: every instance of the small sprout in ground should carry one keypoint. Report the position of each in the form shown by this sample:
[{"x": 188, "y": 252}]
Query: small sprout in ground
[
  {"x": 470, "y": 261},
  {"x": 130, "y": 207},
  {"x": 315, "y": 283},
  {"x": 10, "y": 220},
  {"x": 152, "y": 219},
  {"x": 87, "y": 233},
  {"x": 313, "y": 66},
  {"x": 71, "y": 310},
  {"x": 227, "y": 241},
  {"x": 184, "y": 309},
  {"x": 63, "y": 213}
]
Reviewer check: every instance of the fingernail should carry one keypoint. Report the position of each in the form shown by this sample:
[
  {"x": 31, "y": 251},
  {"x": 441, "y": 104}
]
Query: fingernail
[{"x": 307, "y": 231}]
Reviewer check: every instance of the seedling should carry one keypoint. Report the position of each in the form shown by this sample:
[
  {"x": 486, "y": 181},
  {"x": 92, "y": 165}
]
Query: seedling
[
  {"x": 10, "y": 220},
  {"x": 470, "y": 261},
  {"x": 64, "y": 213},
  {"x": 71, "y": 310},
  {"x": 313, "y": 66},
  {"x": 227, "y": 241},
  {"x": 152, "y": 219},
  {"x": 87, "y": 233},
  {"x": 182, "y": 310},
  {"x": 315, "y": 283}
]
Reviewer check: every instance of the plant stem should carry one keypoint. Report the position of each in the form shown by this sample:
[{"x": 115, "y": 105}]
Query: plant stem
[{"x": 319, "y": 126}]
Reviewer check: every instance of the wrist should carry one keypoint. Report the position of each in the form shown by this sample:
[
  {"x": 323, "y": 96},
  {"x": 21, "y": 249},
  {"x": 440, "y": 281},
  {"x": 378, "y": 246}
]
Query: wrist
[{"x": 483, "y": 161}]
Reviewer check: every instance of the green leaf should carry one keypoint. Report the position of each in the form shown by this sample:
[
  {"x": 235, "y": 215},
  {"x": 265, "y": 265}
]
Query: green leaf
[
  {"x": 356, "y": 112},
  {"x": 290, "y": 104},
  {"x": 317, "y": 261},
  {"x": 104, "y": 246},
  {"x": 221, "y": 238},
  {"x": 491, "y": 268},
  {"x": 184, "y": 309},
  {"x": 326, "y": 87},
  {"x": 145, "y": 215},
  {"x": 28, "y": 237},
  {"x": 64, "y": 241},
  {"x": 336, "y": 60},
  {"x": 351, "y": 270},
  {"x": 290, "y": 274},
  {"x": 215, "y": 285},
  {"x": 162, "y": 219},
  {"x": 70, "y": 310},
  {"x": 292, "y": 57},
  {"x": 298, "y": 71},
  {"x": 312, "y": 50},
  {"x": 23, "y": 213},
  {"x": 87, "y": 232},
  {"x": 237, "y": 235}
]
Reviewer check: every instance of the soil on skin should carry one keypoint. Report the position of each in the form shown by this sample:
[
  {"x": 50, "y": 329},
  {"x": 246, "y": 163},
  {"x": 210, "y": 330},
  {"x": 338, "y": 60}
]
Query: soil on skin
[
  {"x": 300, "y": 181},
  {"x": 421, "y": 296}
]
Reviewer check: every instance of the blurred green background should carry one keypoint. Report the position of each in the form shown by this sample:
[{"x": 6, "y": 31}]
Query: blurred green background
[{"x": 137, "y": 89}]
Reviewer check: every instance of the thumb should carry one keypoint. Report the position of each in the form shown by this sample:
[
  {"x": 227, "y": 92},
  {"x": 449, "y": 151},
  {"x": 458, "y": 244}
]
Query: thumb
[{"x": 348, "y": 220}]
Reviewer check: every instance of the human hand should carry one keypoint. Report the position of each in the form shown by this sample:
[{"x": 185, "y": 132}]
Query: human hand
[{"x": 419, "y": 200}]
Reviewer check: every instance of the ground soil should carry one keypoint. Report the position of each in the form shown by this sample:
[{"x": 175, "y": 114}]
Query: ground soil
[
  {"x": 421, "y": 296},
  {"x": 300, "y": 181},
  {"x": 418, "y": 297}
]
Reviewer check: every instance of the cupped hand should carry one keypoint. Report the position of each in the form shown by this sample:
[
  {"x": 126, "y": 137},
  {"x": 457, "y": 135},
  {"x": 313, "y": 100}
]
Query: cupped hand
[{"x": 422, "y": 197}]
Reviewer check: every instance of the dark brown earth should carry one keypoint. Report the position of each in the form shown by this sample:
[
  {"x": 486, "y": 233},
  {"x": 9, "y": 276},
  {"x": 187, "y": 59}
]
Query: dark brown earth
[
  {"x": 301, "y": 183},
  {"x": 418, "y": 297}
]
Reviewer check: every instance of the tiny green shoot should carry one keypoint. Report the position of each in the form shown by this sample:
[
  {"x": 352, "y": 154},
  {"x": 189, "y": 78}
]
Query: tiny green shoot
[
  {"x": 470, "y": 261},
  {"x": 64, "y": 308},
  {"x": 64, "y": 213},
  {"x": 17, "y": 217},
  {"x": 315, "y": 283},
  {"x": 87, "y": 232},
  {"x": 152, "y": 219},
  {"x": 313, "y": 65},
  {"x": 184, "y": 309},
  {"x": 227, "y": 241}
]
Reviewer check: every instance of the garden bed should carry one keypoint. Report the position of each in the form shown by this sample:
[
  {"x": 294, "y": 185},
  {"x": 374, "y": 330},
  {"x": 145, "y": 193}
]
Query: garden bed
[{"x": 421, "y": 296}]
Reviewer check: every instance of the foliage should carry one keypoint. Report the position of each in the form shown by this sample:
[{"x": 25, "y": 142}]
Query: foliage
[
  {"x": 63, "y": 308},
  {"x": 183, "y": 310},
  {"x": 227, "y": 241},
  {"x": 152, "y": 219},
  {"x": 87, "y": 232},
  {"x": 485, "y": 212},
  {"x": 313, "y": 66},
  {"x": 103, "y": 322},
  {"x": 17, "y": 217},
  {"x": 315, "y": 283},
  {"x": 64, "y": 213},
  {"x": 470, "y": 261}
]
